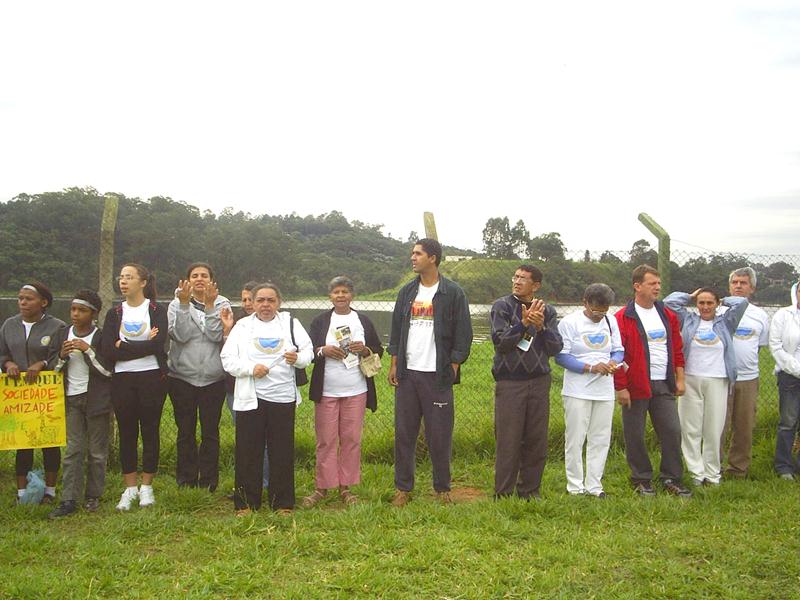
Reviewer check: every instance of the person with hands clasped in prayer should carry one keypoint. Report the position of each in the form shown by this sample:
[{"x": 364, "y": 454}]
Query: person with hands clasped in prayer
[
  {"x": 525, "y": 335},
  {"x": 196, "y": 378},
  {"x": 87, "y": 386}
]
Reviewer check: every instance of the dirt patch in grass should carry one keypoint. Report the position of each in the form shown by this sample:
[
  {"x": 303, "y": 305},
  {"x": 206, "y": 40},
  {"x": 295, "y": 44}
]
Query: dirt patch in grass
[{"x": 467, "y": 494}]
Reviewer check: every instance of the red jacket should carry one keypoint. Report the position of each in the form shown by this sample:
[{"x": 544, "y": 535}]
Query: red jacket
[{"x": 637, "y": 353}]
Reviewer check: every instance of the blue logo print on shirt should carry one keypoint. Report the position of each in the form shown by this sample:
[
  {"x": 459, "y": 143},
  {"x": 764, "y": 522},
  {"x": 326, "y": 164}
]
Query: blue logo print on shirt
[
  {"x": 132, "y": 329},
  {"x": 657, "y": 336},
  {"x": 744, "y": 333},
  {"x": 595, "y": 341},
  {"x": 706, "y": 338},
  {"x": 268, "y": 345}
]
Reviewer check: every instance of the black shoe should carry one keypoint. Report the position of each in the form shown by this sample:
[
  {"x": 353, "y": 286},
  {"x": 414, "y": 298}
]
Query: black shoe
[
  {"x": 48, "y": 499},
  {"x": 67, "y": 507},
  {"x": 92, "y": 504},
  {"x": 644, "y": 489},
  {"x": 676, "y": 489},
  {"x": 600, "y": 496}
]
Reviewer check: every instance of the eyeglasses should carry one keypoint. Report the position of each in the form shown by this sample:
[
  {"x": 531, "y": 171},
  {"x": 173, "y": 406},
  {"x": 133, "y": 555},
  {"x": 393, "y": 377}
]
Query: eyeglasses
[
  {"x": 517, "y": 278},
  {"x": 597, "y": 313},
  {"x": 127, "y": 277}
]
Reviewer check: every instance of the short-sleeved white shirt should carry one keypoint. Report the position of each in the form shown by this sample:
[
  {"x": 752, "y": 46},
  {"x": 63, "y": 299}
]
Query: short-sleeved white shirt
[
  {"x": 421, "y": 346},
  {"x": 656, "y": 333}
]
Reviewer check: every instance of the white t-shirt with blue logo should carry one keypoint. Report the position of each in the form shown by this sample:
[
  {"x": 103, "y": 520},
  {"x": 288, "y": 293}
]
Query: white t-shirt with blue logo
[
  {"x": 707, "y": 355},
  {"x": 135, "y": 327},
  {"x": 268, "y": 344},
  {"x": 656, "y": 334},
  {"x": 751, "y": 333},
  {"x": 590, "y": 343}
]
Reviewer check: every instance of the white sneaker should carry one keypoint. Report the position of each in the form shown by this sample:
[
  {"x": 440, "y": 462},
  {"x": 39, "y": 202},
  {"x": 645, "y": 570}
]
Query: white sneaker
[
  {"x": 146, "y": 496},
  {"x": 127, "y": 498}
]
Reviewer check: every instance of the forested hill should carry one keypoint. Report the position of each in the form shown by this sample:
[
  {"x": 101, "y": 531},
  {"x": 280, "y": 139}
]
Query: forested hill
[{"x": 55, "y": 236}]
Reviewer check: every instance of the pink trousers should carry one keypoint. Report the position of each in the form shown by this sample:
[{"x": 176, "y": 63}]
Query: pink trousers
[{"x": 338, "y": 423}]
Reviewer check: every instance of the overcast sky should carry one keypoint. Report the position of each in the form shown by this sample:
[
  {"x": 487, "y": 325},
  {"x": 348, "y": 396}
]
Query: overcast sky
[{"x": 571, "y": 116}]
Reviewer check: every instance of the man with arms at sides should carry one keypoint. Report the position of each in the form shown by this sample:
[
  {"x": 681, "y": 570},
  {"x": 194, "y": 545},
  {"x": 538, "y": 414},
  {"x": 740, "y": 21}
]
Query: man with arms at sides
[
  {"x": 750, "y": 336},
  {"x": 654, "y": 355},
  {"x": 525, "y": 336},
  {"x": 430, "y": 338}
]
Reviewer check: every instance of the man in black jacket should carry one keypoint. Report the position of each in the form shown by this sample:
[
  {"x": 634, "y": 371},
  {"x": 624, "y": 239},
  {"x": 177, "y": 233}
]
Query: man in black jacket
[{"x": 430, "y": 338}]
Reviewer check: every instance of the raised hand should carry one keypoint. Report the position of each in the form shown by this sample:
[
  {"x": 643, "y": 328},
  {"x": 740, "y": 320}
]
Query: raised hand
[
  {"x": 184, "y": 292},
  {"x": 212, "y": 291}
]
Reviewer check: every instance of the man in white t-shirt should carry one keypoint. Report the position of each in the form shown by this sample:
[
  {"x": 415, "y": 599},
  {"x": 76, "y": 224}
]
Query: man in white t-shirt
[
  {"x": 750, "y": 336},
  {"x": 654, "y": 354},
  {"x": 430, "y": 338}
]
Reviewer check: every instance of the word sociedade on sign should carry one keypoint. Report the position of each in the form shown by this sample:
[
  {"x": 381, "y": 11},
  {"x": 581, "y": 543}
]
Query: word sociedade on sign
[{"x": 32, "y": 415}]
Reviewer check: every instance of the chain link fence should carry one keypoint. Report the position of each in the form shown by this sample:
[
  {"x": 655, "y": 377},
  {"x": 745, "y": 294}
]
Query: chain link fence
[{"x": 565, "y": 277}]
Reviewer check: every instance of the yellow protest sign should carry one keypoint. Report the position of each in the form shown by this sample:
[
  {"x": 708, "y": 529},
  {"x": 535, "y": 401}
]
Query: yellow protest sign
[{"x": 32, "y": 415}]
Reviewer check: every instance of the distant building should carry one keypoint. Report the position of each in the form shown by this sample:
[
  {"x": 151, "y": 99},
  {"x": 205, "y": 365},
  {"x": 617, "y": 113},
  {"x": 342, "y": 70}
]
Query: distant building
[{"x": 456, "y": 258}]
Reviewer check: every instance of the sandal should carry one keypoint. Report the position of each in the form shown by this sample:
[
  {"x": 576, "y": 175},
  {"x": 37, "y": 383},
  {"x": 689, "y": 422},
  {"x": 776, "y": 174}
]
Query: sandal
[
  {"x": 313, "y": 499},
  {"x": 348, "y": 497}
]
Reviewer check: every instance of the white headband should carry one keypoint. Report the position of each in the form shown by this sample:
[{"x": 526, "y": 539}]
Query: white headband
[
  {"x": 29, "y": 287},
  {"x": 85, "y": 303}
]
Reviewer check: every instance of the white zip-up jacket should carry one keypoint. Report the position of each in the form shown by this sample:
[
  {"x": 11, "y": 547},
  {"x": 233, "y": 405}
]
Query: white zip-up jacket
[
  {"x": 784, "y": 337},
  {"x": 236, "y": 361}
]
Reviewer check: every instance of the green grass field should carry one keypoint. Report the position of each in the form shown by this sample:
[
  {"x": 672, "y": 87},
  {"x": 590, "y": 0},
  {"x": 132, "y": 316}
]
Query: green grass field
[{"x": 741, "y": 540}]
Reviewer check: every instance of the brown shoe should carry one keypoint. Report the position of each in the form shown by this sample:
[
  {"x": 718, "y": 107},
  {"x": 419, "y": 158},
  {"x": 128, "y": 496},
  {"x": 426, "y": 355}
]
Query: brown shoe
[
  {"x": 401, "y": 498},
  {"x": 284, "y": 512},
  {"x": 244, "y": 512},
  {"x": 444, "y": 498}
]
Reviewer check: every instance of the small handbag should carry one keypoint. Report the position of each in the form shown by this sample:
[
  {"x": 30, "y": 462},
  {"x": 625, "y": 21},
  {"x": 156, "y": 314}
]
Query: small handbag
[{"x": 370, "y": 365}]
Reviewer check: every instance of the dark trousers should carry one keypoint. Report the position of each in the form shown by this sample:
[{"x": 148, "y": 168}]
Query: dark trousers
[
  {"x": 663, "y": 411},
  {"x": 197, "y": 467},
  {"x": 521, "y": 415},
  {"x": 87, "y": 445},
  {"x": 50, "y": 456},
  {"x": 789, "y": 404},
  {"x": 138, "y": 400},
  {"x": 271, "y": 423},
  {"x": 416, "y": 398}
]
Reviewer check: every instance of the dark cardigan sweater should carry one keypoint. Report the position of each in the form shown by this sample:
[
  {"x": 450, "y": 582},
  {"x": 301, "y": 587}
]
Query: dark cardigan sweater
[
  {"x": 318, "y": 332},
  {"x": 98, "y": 400}
]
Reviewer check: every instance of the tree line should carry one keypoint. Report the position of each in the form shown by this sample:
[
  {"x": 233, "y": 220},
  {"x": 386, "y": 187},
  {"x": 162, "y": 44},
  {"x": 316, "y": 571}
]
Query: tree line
[
  {"x": 54, "y": 237},
  {"x": 567, "y": 274}
]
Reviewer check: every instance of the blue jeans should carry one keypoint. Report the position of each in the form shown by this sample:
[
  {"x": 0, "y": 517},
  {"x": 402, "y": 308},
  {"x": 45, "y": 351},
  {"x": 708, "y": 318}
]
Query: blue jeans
[
  {"x": 789, "y": 398},
  {"x": 265, "y": 476}
]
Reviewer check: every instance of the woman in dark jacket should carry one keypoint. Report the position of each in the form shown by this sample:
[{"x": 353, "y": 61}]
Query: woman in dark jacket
[
  {"x": 341, "y": 337},
  {"x": 25, "y": 347},
  {"x": 134, "y": 334}
]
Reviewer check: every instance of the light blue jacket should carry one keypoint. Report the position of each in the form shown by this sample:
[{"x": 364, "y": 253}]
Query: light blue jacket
[{"x": 724, "y": 325}]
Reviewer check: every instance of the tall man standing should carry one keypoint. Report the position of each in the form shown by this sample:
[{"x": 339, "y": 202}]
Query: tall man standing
[
  {"x": 751, "y": 334},
  {"x": 525, "y": 335},
  {"x": 651, "y": 336},
  {"x": 431, "y": 337}
]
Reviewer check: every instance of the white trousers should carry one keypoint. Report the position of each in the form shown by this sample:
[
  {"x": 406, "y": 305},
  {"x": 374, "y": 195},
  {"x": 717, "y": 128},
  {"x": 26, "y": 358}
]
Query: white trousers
[
  {"x": 586, "y": 421},
  {"x": 702, "y": 412}
]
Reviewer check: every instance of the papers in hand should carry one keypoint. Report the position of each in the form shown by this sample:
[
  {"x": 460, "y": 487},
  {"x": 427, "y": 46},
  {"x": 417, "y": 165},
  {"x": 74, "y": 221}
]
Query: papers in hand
[{"x": 344, "y": 337}]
